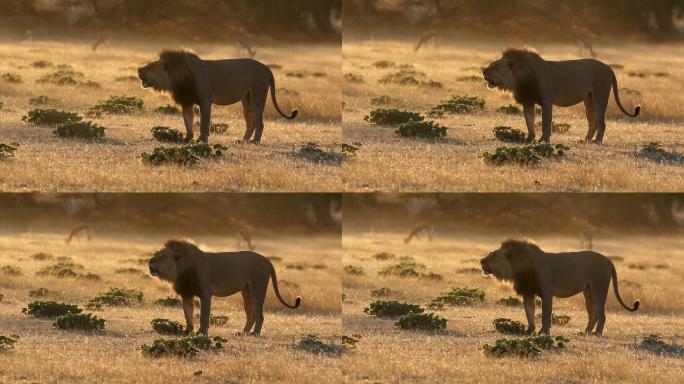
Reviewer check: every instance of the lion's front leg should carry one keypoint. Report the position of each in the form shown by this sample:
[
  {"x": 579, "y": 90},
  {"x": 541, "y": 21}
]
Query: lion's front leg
[
  {"x": 529, "y": 304},
  {"x": 547, "y": 305},
  {"x": 189, "y": 312},
  {"x": 547, "y": 121},
  {"x": 188, "y": 119},
  {"x": 205, "y": 312},
  {"x": 528, "y": 110},
  {"x": 205, "y": 122}
]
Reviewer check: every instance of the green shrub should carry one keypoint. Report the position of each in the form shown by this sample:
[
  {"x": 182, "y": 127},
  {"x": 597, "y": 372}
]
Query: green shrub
[
  {"x": 187, "y": 154},
  {"x": 80, "y": 321},
  {"x": 510, "y": 301},
  {"x": 166, "y": 134},
  {"x": 384, "y": 64},
  {"x": 311, "y": 343},
  {"x": 349, "y": 342},
  {"x": 653, "y": 151},
  {"x": 508, "y": 326},
  {"x": 311, "y": 152},
  {"x": 61, "y": 269},
  {"x": 41, "y": 256},
  {"x": 556, "y": 319},
  {"x": 168, "y": 110},
  {"x": 42, "y": 64},
  {"x": 529, "y": 346},
  {"x": 6, "y": 342},
  {"x": 403, "y": 269},
  {"x": 63, "y": 76},
  {"x": 404, "y": 76},
  {"x": 509, "y": 135},
  {"x": 509, "y": 109},
  {"x": 80, "y": 130},
  {"x": 421, "y": 130},
  {"x": 529, "y": 154},
  {"x": 11, "y": 270},
  {"x": 381, "y": 292},
  {"x": 353, "y": 269},
  {"x": 381, "y": 308},
  {"x": 421, "y": 321},
  {"x": 6, "y": 151},
  {"x": 382, "y": 116},
  {"x": 39, "y": 100},
  {"x": 119, "y": 105},
  {"x": 40, "y": 292},
  {"x": 167, "y": 327},
  {"x": 458, "y": 105},
  {"x": 168, "y": 301},
  {"x": 458, "y": 296},
  {"x": 653, "y": 343},
  {"x": 181, "y": 347},
  {"x": 50, "y": 117},
  {"x": 383, "y": 100},
  {"x": 12, "y": 78},
  {"x": 350, "y": 150},
  {"x": 383, "y": 256},
  {"x": 116, "y": 297},
  {"x": 49, "y": 309},
  {"x": 353, "y": 78}
]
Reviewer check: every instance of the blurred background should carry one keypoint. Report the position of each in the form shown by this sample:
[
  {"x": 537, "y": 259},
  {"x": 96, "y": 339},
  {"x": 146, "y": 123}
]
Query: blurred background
[
  {"x": 196, "y": 20},
  {"x": 562, "y": 20},
  {"x": 186, "y": 214},
  {"x": 516, "y": 213}
]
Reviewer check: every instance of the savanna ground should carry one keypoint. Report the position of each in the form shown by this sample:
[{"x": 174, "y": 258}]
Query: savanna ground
[
  {"x": 389, "y": 355},
  {"x": 386, "y": 162},
  {"x": 47, "y": 355},
  {"x": 308, "y": 78}
]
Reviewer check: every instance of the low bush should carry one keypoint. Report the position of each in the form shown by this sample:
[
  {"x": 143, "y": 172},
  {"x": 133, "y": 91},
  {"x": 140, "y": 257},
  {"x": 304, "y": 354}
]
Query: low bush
[
  {"x": 458, "y": 297},
  {"x": 510, "y": 301},
  {"x": 116, "y": 297},
  {"x": 311, "y": 343},
  {"x": 80, "y": 322},
  {"x": 383, "y": 100},
  {"x": 509, "y": 135},
  {"x": 653, "y": 151},
  {"x": 167, "y": 327},
  {"x": 49, "y": 117},
  {"x": 41, "y": 256},
  {"x": 353, "y": 78},
  {"x": 80, "y": 130},
  {"x": 349, "y": 150},
  {"x": 381, "y": 292},
  {"x": 353, "y": 269},
  {"x": 311, "y": 152},
  {"x": 556, "y": 319},
  {"x": 381, "y": 308},
  {"x": 39, "y": 100},
  {"x": 181, "y": 347},
  {"x": 41, "y": 292},
  {"x": 168, "y": 301},
  {"x": 167, "y": 135},
  {"x": 168, "y": 110},
  {"x": 421, "y": 130},
  {"x": 509, "y": 109},
  {"x": 63, "y": 76},
  {"x": 384, "y": 256},
  {"x": 458, "y": 105},
  {"x": 403, "y": 269},
  {"x": 529, "y": 347},
  {"x": 382, "y": 116},
  {"x": 11, "y": 270},
  {"x": 508, "y": 326},
  {"x": 6, "y": 342},
  {"x": 49, "y": 309},
  {"x": 529, "y": 154},
  {"x": 421, "y": 321},
  {"x": 6, "y": 151},
  {"x": 349, "y": 342},
  {"x": 119, "y": 105},
  {"x": 12, "y": 78},
  {"x": 61, "y": 269},
  {"x": 187, "y": 154}
]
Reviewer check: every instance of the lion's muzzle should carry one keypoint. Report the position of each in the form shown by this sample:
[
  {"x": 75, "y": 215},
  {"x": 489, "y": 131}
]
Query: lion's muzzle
[
  {"x": 485, "y": 271},
  {"x": 154, "y": 271},
  {"x": 144, "y": 83}
]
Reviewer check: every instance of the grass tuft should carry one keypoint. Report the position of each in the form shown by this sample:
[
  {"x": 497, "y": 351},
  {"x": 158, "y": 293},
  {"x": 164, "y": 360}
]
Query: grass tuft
[
  {"x": 49, "y": 117},
  {"x": 529, "y": 154},
  {"x": 458, "y": 297},
  {"x": 79, "y": 321},
  {"x": 421, "y": 130},
  {"x": 381, "y": 116},
  {"x": 311, "y": 343},
  {"x": 167, "y": 327},
  {"x": 116, "y": 297},
  {"x": 421, "y": 321},
  {"x": 381, "y": 308},
  {"x": 458, "y": 105},
  {"x": 49, "y": 309},
  {"x": 118, "y": 105},
  {"x": 80, "y": 129}
]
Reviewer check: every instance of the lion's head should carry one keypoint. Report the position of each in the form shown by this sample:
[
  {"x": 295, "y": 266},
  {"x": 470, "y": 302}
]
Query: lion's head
[
  {"x": 515, "y": 71},
  {"x": 173, "y": 73},
  {"x": 511, "y": 261},
  {"x": 172, "y": 260}
]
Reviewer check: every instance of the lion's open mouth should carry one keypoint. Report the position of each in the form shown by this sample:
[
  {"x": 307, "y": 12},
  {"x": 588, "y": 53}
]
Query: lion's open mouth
[
  {"x": 486, "y": 271},
  {"x": 154, "y": 271},
  {"x": 145, "y": 84},
  {"x": 491, "y": 84}
]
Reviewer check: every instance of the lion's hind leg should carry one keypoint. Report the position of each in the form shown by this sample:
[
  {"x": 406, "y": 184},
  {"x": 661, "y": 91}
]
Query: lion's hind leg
[
  {"x": 600, "y": 294},
  {"x": 600, "y": 106},
  {"x": 591, "y": 118},
  {"x": 248, "y": 111},
  {"x": 591, "y": 310},
  {"x": 249, "y": 310},
  {"x": 257, "y": 291},
  {"x": 259, "y": 106}
]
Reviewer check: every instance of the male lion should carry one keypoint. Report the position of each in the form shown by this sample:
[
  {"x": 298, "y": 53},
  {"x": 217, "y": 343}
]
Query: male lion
[
  {"x": 192, "y": 80},
  {"x": 534, "y": 80},
  {"x": 535, "y": 272},
  {"x": 204, "y": 274}
]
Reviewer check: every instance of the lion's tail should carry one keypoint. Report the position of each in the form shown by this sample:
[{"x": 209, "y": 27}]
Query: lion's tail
[
  {"x": 616, "y": 94},
  {"x": 298, "y": 300},
  {"x": 617, "y": 292},
  {"x": 275, "y": 102}
]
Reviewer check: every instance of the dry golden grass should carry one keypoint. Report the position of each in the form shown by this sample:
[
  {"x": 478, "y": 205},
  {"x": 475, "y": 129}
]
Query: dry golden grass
[
  {"x": 46, "y": 163},
  {"x": 46, "y": 355},
  {"x": 388, "y": 163},
  {"x": 386, "y": 354}
]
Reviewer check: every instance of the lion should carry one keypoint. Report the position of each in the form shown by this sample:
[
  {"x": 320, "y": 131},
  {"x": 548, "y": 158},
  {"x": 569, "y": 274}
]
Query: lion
[
  {"x": 534, "y": 272},
  {"x": 206, "y": 274},
  {"x": 534, "y": 80},
  {"x": 192, "y": 80}
]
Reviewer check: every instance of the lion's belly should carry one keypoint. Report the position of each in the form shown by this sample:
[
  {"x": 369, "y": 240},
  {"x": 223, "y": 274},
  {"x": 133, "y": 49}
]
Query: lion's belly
[
  {"x": 227, "y": 290},
  {"x": 569, "y": 100}
]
